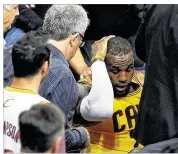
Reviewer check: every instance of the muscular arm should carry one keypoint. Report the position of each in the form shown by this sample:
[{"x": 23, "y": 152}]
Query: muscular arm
[{"x": 98, "y": 104}]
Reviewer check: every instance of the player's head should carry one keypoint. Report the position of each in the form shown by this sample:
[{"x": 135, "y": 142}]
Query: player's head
[
  {"x": 120, "y": 65},
  {"x": 9, "y": 13},
  {"x": 41, "y": 129},
  {"x": 31, "y": 56},
  {"x": 67, "y": 23}
]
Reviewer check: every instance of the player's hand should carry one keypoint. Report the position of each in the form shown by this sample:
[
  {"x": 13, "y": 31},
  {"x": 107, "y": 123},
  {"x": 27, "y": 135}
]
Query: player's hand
[
  {"x": 99, "y": 47},
  {"x": 86, "y": 75}
]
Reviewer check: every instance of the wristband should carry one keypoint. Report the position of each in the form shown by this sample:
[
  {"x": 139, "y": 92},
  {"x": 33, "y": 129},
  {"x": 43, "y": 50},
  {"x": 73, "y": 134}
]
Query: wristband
[{"x": 95, "y": 58}]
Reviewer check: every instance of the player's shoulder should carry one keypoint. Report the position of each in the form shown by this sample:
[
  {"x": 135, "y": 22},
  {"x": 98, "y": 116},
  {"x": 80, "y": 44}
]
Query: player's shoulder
[{"x": 137, "y": 82}]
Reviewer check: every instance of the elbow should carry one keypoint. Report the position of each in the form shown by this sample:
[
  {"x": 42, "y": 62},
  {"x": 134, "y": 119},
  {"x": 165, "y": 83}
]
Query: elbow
[{"x": 99, "y": 111}]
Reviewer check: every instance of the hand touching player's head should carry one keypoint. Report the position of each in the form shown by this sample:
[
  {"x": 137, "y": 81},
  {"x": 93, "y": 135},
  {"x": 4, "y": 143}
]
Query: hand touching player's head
[{"x": 120, "y": 65}]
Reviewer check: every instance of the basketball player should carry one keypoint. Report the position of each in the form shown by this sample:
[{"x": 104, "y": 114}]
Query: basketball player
[{"x": 115, "y": 134}]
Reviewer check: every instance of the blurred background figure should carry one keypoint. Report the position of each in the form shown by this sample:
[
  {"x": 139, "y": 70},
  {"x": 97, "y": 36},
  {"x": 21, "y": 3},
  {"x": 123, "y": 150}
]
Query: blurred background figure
[
  {"x": 9, "y": 13},
  {"x": 11, "y": 34},
  {"x": 41, "y": 129}
]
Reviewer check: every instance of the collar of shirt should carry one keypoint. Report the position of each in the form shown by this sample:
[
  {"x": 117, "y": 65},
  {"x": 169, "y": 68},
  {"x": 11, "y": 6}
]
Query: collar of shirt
[{"x": 56, "y": 52}]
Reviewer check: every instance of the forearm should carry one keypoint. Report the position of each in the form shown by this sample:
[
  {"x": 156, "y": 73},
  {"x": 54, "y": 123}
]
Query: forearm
[
  {"x": 98, "y": 105},
  {"x": 77, "y": 63}
]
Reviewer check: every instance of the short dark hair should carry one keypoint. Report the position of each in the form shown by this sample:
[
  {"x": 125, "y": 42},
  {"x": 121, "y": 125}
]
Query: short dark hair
[
  {"x": 118, "y": 45},
  {"x": 29, "y": 53},
  {"x": 40, "y": 126}
]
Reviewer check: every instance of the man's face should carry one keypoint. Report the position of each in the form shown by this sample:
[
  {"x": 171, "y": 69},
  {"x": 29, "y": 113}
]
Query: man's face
[
  {"x": 9, "y": 16},
  {"x": 120, "y": 69}
]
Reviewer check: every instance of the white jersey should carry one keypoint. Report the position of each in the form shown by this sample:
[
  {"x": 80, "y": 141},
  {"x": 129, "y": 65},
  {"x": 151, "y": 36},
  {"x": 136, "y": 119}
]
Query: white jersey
[{"x": 15, "y": 102}]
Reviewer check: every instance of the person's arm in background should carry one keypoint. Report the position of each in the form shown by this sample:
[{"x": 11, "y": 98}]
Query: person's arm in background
[
  {"x": 77, "y": 63},
  {"x": 65, "y": 95}
]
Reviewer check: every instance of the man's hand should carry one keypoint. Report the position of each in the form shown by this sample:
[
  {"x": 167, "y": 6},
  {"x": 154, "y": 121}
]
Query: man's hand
[
  {"x": 86, "y": 149},
  {"x": 99, "y": 47},
  {"x": 86, "y": 75}
]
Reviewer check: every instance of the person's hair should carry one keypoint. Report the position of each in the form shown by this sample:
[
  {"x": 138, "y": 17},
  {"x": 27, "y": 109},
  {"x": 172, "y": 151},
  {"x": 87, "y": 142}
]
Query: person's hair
[
  {"x": 29, "y": 53},
  {"x": 40, "y": 126},
  {"x": 118, "y": 46},
  {"x": 61, "y": 21},
  {"x": 8, "y": 6}
]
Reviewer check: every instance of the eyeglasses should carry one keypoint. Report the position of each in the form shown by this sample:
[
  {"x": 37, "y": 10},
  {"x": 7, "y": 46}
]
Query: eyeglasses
[{"x": 81, "y": 39}]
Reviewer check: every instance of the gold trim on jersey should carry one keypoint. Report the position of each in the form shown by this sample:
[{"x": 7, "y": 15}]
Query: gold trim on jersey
[
  {"x": 43, "y": 102},
  {"x": 20, "y": 90},
  {"x": 135, "y": 80}
]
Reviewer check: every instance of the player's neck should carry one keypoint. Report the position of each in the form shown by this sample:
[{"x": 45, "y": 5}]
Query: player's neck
[{"x": 26, "y": 83}]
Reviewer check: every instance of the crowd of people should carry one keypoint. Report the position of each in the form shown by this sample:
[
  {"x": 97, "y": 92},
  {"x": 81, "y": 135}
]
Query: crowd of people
[{"x": 68, "y": 92}]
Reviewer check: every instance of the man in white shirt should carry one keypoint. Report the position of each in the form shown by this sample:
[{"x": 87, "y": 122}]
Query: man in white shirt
[{"x": 31, "y": 59}]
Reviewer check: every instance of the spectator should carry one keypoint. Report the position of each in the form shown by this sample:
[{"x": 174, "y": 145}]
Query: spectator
[
  {"x": 66, "y": 25},
  {"x": 30, "y": 61},
  {"x": 28, "y": 20},
  {"x": 11, "y": 34},
  {"x": 157, "y": 45},
  {"x": 41, "y": 129},
  {"x": 9, "y": 13}
]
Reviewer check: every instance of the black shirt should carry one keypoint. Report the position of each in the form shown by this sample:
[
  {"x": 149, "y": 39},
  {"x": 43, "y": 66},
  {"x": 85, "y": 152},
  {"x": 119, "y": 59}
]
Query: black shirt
[{"x": 157, "y": 44}]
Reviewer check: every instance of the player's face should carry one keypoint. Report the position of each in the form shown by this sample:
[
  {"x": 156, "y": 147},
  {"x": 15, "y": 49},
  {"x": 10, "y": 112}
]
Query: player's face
[{"x": 120, "y": 69}]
